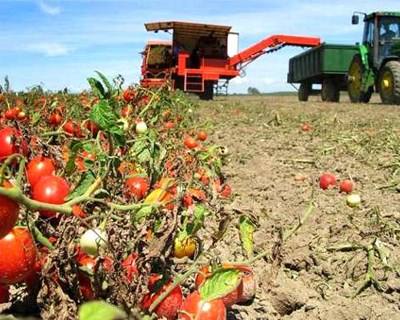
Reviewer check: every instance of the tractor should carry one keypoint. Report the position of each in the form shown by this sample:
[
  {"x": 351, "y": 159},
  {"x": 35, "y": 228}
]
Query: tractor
[{"x": 376, "y": 65}]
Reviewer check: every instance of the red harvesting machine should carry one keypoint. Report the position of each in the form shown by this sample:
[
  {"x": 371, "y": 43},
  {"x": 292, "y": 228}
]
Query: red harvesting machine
[{"x": 201, "y": 56}]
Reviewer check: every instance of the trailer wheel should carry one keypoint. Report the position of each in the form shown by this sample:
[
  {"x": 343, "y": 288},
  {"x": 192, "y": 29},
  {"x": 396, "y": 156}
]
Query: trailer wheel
[
  {"x": 304, "y": 91},
  {"x": 389, "y": 83},
  {"x": 330, "y": 91},
  {"x": 208, "y": 93},
  {"x": 354, "y": 82}
]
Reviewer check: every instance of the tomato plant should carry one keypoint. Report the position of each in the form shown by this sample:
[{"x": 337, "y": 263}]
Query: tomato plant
[{"x": 17, "y": 256}]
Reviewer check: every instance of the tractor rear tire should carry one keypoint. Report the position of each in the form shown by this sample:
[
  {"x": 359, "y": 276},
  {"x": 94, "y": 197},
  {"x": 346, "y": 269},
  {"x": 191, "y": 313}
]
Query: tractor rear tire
[
  {"x": 208, "y": 93},
  {"x": 389, "y": 83},
  {"x": 354, "y": 84},
  {"x": 330, "y": 91},
  {"x": 304, "y": 91}
]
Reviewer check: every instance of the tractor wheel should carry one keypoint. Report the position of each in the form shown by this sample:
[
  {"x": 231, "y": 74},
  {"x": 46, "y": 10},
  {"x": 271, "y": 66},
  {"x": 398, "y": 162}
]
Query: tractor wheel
[
  {"x": 304, "y": 91},
  {"x": 389, "y": 83},
  {"x": 354, "y": 84},
  {"x": 330, "y": 91},
  {"x": 208, "y": 93}
]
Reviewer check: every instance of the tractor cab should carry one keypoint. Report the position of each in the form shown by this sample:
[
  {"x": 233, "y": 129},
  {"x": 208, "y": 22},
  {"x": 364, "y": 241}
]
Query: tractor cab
[
  {"x": 376, "y": 67},
  {"x": 381, "y": 36}
]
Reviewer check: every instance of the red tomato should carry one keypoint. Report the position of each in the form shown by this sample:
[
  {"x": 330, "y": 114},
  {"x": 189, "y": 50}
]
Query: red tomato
[
  {"x": 168, "y": 308},
  {"x": 70, "y": 127},
  {"x": 80, "y": 161},
  {"x": 169, "y": 125},
  {"x": 194, "y": 308},
  {"x": 190, "y": 143},
  {"x": 50, "y": 189},
  {"x": 305, "y": 127},
  {"x": 11, "y": 114},
  {"x": 38, "y": 167},
  {"x": 78, "y": 212},
  {"x": 85, "y": 286},
  {"x": 129, "y": 94},
  {"x": 130, "y": 267},
  {"x": 4, "y": 294},
  {"x": 86, "y": 261},
  {"x": 11, "y": 142},
  {"x": 126, "y": 111},
  {"x": 226, "y": 191},
  {"x": 346, "y": 186},
  {"x": 202, "y": 136},
  {"x": 8, "y": 213},
  {"x": 92, "y": 127},
  {"x": 17, "y": 256},
  {"x": 54, "y": 119},
  {"x": 327, "y": 180},
  {"x": 137, "y": 187}
]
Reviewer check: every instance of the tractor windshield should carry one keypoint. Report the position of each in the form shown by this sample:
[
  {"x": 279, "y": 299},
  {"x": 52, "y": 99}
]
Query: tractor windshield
[{"x": 389, "y": 36}]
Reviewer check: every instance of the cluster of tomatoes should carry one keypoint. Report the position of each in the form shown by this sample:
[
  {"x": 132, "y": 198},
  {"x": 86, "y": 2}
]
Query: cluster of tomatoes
[{"x": 22, "y": 256}]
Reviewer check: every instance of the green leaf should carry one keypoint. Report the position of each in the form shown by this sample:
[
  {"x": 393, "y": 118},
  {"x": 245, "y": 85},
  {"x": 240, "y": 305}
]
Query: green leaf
[
  {"x": 104, "y": 116},
  {"x": 220, "y": 284},
  {"x": 246, "y": 229},
  {"x": 86, "y": 181},
  {"x": 74, "y": 150},
  {"x": 100, "y": 310},
  {"x": 199, "y": 214},
  {"x": 108, "y": 85},
  {"x": 97, "y": 88},
  {"x": 141, "y": 151},
  {"x": 143, "y": 213}
]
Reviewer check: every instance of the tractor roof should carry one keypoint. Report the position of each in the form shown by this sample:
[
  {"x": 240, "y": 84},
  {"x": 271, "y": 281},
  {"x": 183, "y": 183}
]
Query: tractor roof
[
  {"x": 189, "y": 28},
  {"x": 382, "y": 13}
]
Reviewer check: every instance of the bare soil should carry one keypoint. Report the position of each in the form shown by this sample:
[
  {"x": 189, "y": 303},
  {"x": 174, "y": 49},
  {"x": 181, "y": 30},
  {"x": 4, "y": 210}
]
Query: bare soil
[{"x": 342, "y": 263}]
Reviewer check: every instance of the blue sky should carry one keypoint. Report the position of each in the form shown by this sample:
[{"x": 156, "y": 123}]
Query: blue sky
[{"x": 60, "y": 43}]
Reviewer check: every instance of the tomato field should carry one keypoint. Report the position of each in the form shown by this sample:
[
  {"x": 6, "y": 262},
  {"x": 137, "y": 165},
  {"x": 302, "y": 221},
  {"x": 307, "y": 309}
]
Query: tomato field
[{"x": 128, "y": 203}]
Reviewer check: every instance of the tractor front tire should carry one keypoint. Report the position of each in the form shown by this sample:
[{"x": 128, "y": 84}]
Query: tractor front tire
[
  {"x": 389, "y": 83},
  {"x": 304, "y": 91},
  {"x": 330, "y": 91},
  {"x": 354, "y": 83}
]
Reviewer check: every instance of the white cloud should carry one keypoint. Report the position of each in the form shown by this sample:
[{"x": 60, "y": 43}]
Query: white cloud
[
  {"x": 48, "y": 9},
  {"x": 50, "y": 49}
]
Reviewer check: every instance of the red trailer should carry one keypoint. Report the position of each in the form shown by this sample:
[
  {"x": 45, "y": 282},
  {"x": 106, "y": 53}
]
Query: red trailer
[{"x": 200, "y": 55}]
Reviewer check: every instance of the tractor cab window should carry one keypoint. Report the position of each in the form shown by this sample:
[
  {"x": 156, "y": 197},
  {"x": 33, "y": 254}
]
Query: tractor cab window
[
  {"x": 369, "y": 33},
  {"x": 389, "y": 36}
]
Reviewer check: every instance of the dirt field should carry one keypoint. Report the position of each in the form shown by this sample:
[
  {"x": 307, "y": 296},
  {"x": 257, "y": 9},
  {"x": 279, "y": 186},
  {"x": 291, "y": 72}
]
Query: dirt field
[{"x": 342, "y": 263}]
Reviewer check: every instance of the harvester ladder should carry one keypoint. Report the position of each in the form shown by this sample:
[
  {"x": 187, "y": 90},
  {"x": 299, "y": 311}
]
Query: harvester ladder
[{"x": 194, "y": 82}]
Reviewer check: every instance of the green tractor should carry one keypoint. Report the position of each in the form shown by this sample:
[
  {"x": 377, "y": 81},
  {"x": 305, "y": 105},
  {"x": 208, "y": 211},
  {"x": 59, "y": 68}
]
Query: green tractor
[{"x": 376, "y": 67}]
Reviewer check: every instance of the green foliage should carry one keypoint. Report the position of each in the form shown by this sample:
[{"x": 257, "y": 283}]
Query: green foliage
[
  {"x": 247, "y": 228},
  {"x": 253, "y": 91},
  {"x": 220, "y": 284},
  {"x": 108, "y": 121},
  {"x": 100, "y": 310}
]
